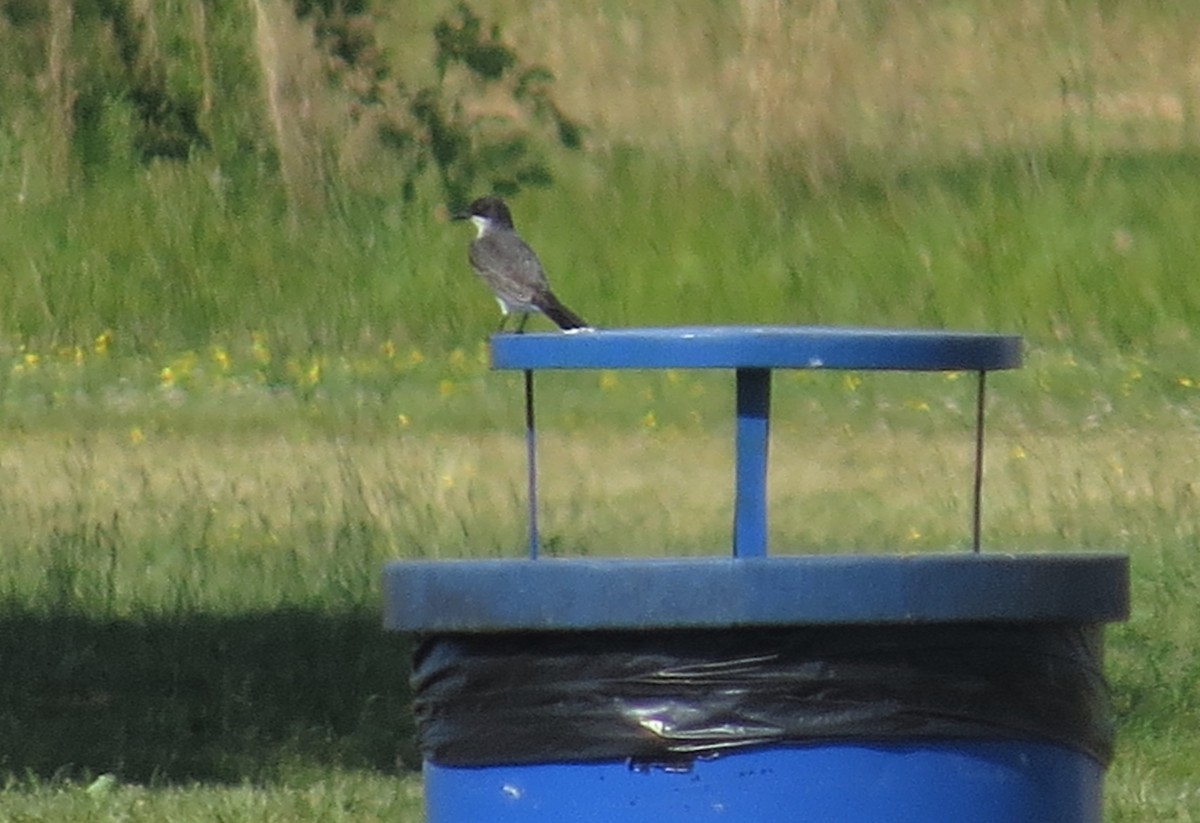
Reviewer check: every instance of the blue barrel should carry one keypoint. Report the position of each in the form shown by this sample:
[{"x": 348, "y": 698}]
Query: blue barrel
[
  {"x": 900, "y": 688},
  {"x": 887, "y": 687},
  {"x": 854, "y": 783}
]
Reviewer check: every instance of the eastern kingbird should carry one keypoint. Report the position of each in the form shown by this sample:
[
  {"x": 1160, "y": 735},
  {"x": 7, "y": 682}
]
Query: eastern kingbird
[{"x": 510, "y": 268}]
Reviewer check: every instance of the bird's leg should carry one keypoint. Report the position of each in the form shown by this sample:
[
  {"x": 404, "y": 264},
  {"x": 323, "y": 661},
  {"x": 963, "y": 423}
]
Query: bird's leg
[
  {"x": 504, "y": 312},
  {"x": 521, "y": 325}
]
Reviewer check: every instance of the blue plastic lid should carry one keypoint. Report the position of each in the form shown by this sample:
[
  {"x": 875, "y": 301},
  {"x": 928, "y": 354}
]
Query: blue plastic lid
[
  {"x": 575, "y": 594},
  {"x": 735, "y": 347}
]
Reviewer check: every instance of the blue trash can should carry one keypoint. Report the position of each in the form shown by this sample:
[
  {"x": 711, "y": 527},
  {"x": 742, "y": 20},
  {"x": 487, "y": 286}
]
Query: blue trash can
[{"x": 886, "y": 687}]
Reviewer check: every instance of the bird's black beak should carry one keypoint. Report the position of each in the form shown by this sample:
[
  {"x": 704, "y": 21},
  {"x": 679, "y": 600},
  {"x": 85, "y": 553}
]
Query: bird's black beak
[{"x": 460, "y": 215}]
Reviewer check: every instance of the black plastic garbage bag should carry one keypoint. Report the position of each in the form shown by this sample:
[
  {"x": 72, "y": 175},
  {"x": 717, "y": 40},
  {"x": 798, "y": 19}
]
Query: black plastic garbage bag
[{"x": 669, "y": 696}]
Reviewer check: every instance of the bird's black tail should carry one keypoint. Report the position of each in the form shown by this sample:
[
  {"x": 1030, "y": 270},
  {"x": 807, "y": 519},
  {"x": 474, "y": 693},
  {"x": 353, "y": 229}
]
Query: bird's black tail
[{"x": 563, "y": 317}]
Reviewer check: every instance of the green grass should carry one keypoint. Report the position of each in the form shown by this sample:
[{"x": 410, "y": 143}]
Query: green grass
[
  {"x": 1063, "y": 248},
  {"x": 183, "y": 694},
  {"x": 195, "y": 609},
  {"x": 332, "y": 798},
  {"x": 193, "y": 540},
  {"x": 222, "y": 414}
]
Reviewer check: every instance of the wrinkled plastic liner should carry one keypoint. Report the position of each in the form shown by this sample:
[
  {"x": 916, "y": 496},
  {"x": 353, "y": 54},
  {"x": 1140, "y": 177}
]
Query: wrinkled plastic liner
[{"x": 669, "y": 696}]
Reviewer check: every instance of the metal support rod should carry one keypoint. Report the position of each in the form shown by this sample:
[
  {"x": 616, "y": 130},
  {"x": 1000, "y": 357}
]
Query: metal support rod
[
  {"x": 750, "y": 481},
  {"x": 977, "y": 493},
  {"x": 531, "y": 456}
]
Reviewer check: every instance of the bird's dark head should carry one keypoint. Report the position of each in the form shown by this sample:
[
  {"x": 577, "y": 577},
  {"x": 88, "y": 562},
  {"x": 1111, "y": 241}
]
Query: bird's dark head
[{"x": 488, "y": 209}]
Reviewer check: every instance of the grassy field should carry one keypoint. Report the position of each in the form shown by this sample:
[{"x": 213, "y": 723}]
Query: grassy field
[
  {"x": 178, "y": 564},
  {"x": 223, "y": 413}
]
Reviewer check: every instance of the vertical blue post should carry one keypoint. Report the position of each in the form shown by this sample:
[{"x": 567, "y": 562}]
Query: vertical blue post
[{"x": 750, "y": 482}]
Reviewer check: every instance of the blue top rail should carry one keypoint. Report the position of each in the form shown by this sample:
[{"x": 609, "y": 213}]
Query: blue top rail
[{"x": 763, "y": 347}]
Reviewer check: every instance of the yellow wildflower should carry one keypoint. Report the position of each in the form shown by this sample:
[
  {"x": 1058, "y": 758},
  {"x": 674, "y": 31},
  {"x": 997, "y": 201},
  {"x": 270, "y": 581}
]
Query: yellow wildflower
[
  {"x": 258, "y": 347},
  {"x": 313, "y": 375},
  {"x": 185, "y": 363},
  {"x": 221, "y": 358}
]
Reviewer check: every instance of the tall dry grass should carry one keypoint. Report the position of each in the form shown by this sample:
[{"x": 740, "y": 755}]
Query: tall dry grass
[
  {"x": 204, "y": 56},
  {"x": 60, "y": 95},
  {"x": 140, "y": 516},
  {"x": 823, "y": 81},
  {"x": 806, "y": 88},
  {"x": 297, "y": 100}
]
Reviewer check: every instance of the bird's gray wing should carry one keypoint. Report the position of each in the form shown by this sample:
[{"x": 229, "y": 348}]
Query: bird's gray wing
[{"x": 509, "y": 267}]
